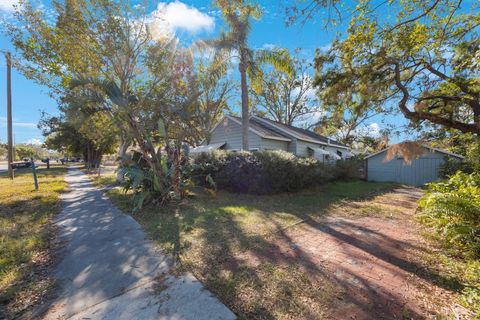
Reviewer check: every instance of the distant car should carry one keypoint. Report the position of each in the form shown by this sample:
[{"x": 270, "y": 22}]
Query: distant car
[{"x": 25, "y": 163}]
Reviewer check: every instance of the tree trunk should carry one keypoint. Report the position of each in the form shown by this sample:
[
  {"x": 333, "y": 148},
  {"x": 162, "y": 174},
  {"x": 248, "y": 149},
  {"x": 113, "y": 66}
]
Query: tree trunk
[
  {"x": 176, "y": 168},
  {"x": 244, "y": 88},
  {"x": 89, "y": 157},
  {"x": 122, "y": 152}
]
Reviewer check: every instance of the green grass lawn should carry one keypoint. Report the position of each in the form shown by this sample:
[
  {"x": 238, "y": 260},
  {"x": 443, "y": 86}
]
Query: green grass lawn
[
  {"x": 212, "y": 235},
  {"x": 25, "y": 234}
]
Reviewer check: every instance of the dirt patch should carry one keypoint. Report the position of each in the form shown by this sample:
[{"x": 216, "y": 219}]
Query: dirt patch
[{"x": 372, "y": 258}]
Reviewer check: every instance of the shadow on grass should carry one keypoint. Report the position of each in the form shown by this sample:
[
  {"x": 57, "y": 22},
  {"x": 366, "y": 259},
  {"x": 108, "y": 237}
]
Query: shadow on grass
[{"x": 245, "y": 261}]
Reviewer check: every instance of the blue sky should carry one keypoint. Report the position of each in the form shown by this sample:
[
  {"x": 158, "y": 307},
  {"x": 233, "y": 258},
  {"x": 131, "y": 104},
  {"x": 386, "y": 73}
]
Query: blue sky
[{"x": 190, "y": 20}]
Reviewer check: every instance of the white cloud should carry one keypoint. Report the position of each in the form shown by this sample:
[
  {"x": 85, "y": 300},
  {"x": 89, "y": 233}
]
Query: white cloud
[
  {"x": 173, "y": 16},
  {"x": 325, "y": 48},
  {"x": 374, "y": 129},
  {"x": 309, "y": 119},
  {"x": 311, "y": 94},
  {"x": 7, "y": 5},
  {"x": 269, "y": 46},
  {"x": 3, "y": 123},
  {"x": 25, "y": 124},
  {"x": 371, "y": 130},
  {"x": 34, "y": 141}
]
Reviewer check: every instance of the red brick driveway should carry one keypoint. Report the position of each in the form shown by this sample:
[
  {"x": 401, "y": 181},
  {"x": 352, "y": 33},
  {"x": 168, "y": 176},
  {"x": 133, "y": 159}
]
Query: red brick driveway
[{"x": 374, "y": 259}]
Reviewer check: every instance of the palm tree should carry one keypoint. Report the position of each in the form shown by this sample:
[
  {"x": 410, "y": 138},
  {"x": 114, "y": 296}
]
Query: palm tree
[{"x": 238, "y": 15}]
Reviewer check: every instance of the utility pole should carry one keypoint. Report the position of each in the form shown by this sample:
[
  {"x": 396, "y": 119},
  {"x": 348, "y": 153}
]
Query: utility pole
[{"x": 9, "y": 114}]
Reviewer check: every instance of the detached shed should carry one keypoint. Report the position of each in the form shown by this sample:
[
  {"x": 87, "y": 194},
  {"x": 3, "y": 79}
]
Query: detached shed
[{"x": 426, "y": 168}]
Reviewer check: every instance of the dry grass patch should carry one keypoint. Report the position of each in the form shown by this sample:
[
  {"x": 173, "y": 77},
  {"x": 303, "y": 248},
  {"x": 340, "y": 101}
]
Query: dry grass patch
[
  {"x": 395, "y": 204},
  {"x": 25, "y": 236}
]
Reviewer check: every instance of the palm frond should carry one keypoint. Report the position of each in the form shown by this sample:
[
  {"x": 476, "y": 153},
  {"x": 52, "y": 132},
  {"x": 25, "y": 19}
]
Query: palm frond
[
  {"x": 278, "y": 58},
  {"x": 110, "y": 88},
  {"x": 225, "y": 41}
]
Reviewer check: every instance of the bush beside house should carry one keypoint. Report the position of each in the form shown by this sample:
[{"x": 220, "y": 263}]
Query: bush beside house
[{"x": 268, "y": 172}]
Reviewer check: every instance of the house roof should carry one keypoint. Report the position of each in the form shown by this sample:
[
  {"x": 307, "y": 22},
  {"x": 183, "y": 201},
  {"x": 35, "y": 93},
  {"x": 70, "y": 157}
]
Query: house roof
[
  {"x": 261, "y": 129},
  {"x": 425, "y": 146},
  {"x": 299, "y": 133}
]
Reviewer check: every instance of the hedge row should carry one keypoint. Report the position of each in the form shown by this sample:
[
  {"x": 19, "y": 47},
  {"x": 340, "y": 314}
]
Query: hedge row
[{"x": 267, "y": 172}]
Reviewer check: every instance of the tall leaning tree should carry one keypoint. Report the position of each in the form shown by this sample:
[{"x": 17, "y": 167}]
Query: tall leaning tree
[
  {"x": 424, "y": 60},
  {"x": 238, "y": 15}
]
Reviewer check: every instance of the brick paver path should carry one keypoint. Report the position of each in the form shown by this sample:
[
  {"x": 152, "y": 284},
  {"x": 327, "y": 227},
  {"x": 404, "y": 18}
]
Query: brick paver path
[
  {"x": 367, "y": 257},
  {"x": 374, "y": 259}
]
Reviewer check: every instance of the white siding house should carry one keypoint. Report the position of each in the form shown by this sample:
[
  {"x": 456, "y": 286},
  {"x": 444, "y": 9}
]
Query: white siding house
[
  {"x": 266, "y": 134},
  {"x": 426, "y": 168}
]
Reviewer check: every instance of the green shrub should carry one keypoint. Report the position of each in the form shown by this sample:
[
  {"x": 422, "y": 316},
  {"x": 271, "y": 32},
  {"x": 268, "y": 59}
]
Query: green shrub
[
  {"x": 347, "y": 169},
  {"x": 470, "y": 148},
  {"x": 266, "y": 172},
  {"x": 452, "y": 165},
  {"x": 452, "y": 207}
]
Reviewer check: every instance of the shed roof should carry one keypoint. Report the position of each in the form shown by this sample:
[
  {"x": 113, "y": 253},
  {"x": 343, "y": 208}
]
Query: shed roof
[{"x": 425, "y": 146}]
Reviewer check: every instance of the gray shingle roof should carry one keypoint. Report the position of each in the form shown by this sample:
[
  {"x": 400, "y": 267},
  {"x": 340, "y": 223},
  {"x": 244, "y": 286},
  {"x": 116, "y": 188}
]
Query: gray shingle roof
[
  {"x": 261, "y": 128},
  {"x": 299, "y": 132}
]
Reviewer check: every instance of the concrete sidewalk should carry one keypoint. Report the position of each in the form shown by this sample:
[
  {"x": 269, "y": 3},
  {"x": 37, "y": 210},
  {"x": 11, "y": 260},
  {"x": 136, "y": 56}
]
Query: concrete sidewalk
[{"x": 109, "y": 270}]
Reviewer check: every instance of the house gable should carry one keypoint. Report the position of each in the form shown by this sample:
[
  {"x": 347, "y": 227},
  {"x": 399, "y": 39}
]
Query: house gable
[{"x": 230, "y": 132}]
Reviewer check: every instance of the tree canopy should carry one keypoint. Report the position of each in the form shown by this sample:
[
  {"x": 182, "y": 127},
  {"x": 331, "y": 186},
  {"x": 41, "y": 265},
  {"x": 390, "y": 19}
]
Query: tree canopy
[
  {"x": 421, "y": 57},
  {"x": 107, "y": 70},
  {"x": 282, "y": 96}
]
